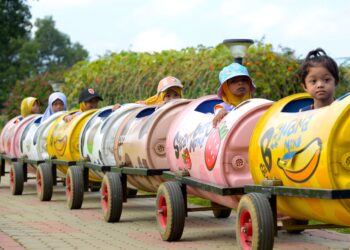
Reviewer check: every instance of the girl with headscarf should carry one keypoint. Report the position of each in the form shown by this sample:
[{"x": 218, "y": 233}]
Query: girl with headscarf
[
  {"x": 236, "y": 86},
  {"x": 29, "y": 105},
  {"x": 57, "y": 102},
  {"x": 169, "y": 88}
]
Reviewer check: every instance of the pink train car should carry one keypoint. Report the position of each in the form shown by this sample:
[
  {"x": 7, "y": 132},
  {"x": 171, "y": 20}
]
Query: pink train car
[{"x": 216, "y": 157}]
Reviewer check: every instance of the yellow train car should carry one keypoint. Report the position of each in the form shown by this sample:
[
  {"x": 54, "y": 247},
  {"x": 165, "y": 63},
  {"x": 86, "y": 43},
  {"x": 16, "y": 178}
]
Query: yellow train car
[
  {"x": 309, "y": 149},
  {"x": 63, "y": 144}
]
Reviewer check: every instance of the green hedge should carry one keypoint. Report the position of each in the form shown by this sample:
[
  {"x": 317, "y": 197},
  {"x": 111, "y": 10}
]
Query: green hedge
[{"x": 129, "y": 76}]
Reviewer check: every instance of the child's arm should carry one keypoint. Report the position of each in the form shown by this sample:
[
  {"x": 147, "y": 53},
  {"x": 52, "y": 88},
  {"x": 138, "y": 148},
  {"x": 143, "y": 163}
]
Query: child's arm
[
  {"x": 219, "y": 116},
  {"x": 68, "y": 118},
  {"x": 116, "y": 106}
]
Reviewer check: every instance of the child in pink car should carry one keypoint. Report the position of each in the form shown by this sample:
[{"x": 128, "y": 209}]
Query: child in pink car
[
  {"x": 169, "y": 88},
  {"x": 236, "y": 86}
]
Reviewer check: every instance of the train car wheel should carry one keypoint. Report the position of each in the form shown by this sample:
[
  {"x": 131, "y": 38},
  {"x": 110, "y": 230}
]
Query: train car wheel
[
  {"x": 132, "y": 192},
  {"x": 16, "y": 178},
  {"x": 221, "y": 213},
  {"x": 95, "y": 187},
  {"x": 170, "y": 211},
  {"x": 74, "y": 187},
  {"x": 112, "y": 197},
  {"x": 254, "y": 226},
  {"x": 292, "y": 221},
  {"x": 44, "y": 182}
]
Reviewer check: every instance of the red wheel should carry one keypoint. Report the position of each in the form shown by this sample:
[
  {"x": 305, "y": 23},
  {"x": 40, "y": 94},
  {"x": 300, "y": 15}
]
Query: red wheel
[
  {"x": 44, "y": 182},
  {"x": 162, "y": 212},
  {"x": 112, "y": 197},
  {"x": 221, "y": 213},
  {"x": 245, "y": 224},
  {"x": 16, "y": 178},
  {"x": 170, "y": 211},
  {"x": 255, "y": 224},
  {"x": 68, "y": 187},
  {"x": 74, "y": 187},
  {"x": 38, "y": 182}
]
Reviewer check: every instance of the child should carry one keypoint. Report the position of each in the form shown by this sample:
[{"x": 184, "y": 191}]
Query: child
[
  {"x": 29, "y": 105},
  {"x": 88, "y": 99},
  {"x": 169, "y": 88},
  {"x": 57, "y": 102},
  {"x": 236, "y": 86},
  {"x": 319, "y": 76}
]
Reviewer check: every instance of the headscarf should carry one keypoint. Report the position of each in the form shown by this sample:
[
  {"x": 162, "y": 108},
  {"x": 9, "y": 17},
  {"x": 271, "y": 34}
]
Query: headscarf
[
  {"x": 27, "y": 105},
  {"x": 83, "y": 106},
  {"x": 231, "y": 99},
  {"x": 231, "y": 71},
  {"x": 164, "y": 85},
  {"x": 159, "y": 98},
  {"x": 52, "y": 98}
]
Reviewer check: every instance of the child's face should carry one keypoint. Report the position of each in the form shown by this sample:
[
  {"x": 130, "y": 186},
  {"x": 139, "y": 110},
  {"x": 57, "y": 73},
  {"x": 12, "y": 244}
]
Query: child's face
[
  {"x": 57, "y": 105},
  {"x": 320, "y": 84},
  {"x": 170, "y": 95},
  {"x": 239, "y": 85},
  {"x": 35, "y": 108},
  {"x": 92, "y": 104}
]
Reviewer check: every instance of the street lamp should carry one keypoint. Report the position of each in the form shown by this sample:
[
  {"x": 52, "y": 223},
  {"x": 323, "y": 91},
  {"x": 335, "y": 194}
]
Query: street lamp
[
  {"x": 56, "y": 85},
  {"x": 238, "y": 48}
]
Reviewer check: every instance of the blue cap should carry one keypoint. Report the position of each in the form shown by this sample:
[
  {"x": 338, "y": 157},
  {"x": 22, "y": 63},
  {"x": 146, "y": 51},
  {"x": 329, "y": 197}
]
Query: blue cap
[{"x": 233, "y": 70}]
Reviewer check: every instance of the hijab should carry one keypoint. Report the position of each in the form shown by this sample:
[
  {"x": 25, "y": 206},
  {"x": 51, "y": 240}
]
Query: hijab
[
  {"x": 27, "y": 105},
  {"x": 52, "y": 98},
  {"x": 231, "y": 99}
]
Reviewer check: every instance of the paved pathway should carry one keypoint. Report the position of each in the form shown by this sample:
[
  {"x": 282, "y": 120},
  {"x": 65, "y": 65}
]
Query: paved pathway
[{"x": 27, "y": 223}]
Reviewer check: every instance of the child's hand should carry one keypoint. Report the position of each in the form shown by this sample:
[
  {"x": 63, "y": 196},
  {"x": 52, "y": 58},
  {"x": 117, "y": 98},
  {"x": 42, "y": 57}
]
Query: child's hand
[
  {"x": 116, "y": 106},
  {"x": 140, "y": 102},
  {"x": 67, "y": 118},
  {"x": 222, "y": 113}
]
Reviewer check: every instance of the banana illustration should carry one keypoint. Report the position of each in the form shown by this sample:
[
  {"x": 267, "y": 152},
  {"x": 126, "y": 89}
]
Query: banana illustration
[
  {"x": 304, "y": 163},
  {"x": 60, "y": 145}
]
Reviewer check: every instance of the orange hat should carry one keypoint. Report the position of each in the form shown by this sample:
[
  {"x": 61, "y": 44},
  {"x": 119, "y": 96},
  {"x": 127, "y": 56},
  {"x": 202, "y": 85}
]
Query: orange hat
[{"x": 168, "y": 82}]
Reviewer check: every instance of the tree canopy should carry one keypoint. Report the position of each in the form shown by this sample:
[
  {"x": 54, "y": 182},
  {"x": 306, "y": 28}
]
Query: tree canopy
[
  {"x": 24, "y": 56},
  {"x": 50, "y": 50},
  {"x": 15, "y": 28}
]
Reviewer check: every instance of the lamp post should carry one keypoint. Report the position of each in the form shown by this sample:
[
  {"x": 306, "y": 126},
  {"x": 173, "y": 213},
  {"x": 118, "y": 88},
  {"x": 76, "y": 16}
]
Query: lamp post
[
  {"x": 238, "y": 48},
  {"x": 56, "y": 85}
]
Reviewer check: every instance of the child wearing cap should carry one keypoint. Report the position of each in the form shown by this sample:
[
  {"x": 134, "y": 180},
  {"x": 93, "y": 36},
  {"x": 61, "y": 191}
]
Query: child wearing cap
[
  {"x": 169, "y": 88},
  {"x": 88, "y": 99},
  {"x": 236, "y": 86},
  {"x": 57, "y": 102},
  {"x": 29, "y": 105}
]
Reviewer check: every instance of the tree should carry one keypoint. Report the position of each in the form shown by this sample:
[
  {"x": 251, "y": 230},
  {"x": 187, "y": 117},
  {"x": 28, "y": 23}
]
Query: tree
[
  {"x": 14, "y": 29},
  {"x": 14, "y": 22},
  {"x": 40, "y": 59},
  {"x": 50, "y": 50}
]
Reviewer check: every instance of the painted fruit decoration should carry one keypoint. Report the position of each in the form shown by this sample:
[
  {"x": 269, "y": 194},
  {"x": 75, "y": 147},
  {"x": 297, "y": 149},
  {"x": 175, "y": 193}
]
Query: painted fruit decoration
[
  {"x": 303, "y": 163},
  {"x": 187, "y": 159},
  {"x": 213, "y": 145}
]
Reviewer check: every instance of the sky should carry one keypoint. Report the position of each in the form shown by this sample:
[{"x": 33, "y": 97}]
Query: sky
[{"x": 104, "y": 26}]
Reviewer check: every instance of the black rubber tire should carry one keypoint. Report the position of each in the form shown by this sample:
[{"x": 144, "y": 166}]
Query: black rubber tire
[
  {"x": 17, "y": 176},
  {"x": 254, "y": 213},
  {"x": 132, "y": 192},
  {"x": 75, "y": 187},
  {"x": 170, "y": 211},
  {"x": 221, "y": 213},
  {"x": 292, "y": 221},
  {"x": 112, "y": 197},
  {"x": 44, "y": 182}
]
